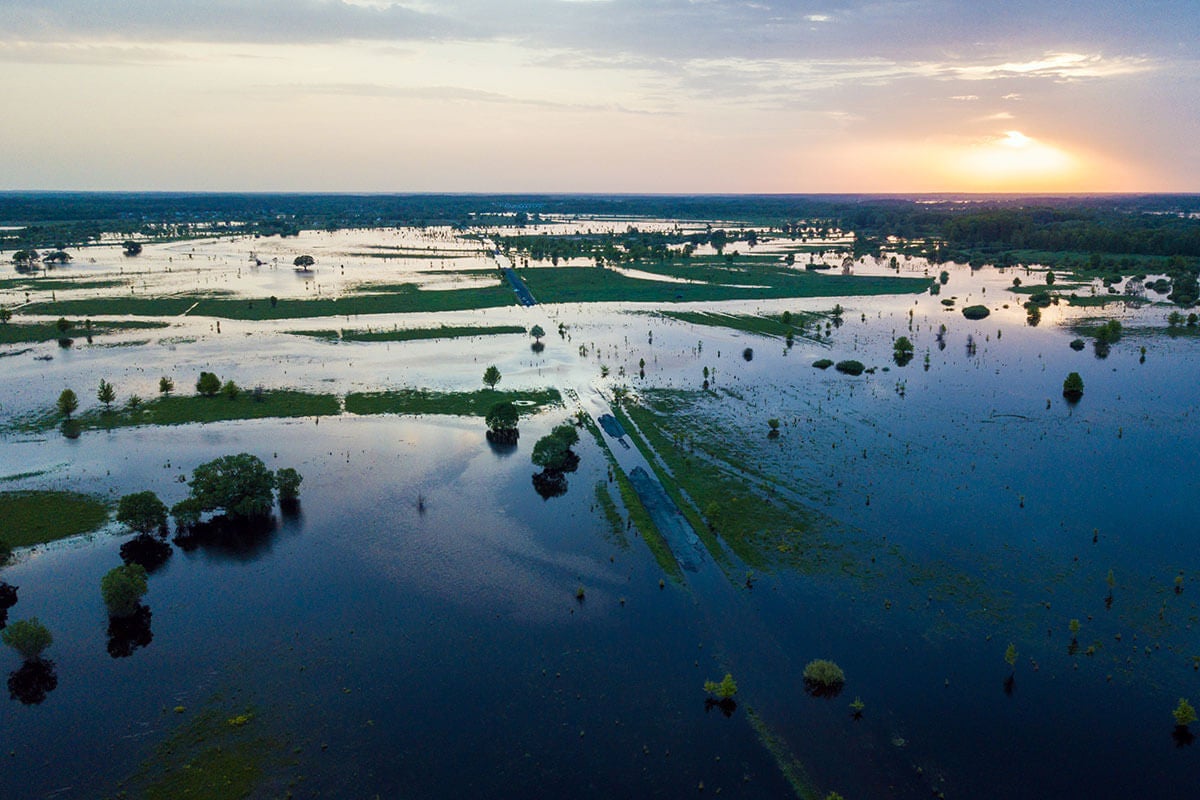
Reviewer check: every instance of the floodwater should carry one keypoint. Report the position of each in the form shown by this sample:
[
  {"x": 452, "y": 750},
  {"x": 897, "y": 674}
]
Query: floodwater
[{"x": 437, "y": 648}]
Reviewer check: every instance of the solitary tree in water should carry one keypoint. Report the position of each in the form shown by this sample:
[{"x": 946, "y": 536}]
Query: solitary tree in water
[
  {"x": 67, "y": 403},
  {"x": 491, "y": 376},
  {"x": 304, "y": 262}
]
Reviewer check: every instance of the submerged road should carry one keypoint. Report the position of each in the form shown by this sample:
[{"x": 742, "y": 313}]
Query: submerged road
[{"x": 524, "y": 296}]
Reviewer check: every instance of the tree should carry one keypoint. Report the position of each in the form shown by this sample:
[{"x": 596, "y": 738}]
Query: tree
[
  {"x": 165, "y": 385},
  {"x": 491, "y": 376},
  {"x": 240, "y": 485},
  {"x": 122, "y": 588},
  {"x": 132, "y": 248},
  {"x": 550, "y": 453},
  {"x": 64, "y": 325},
  {"x": 231, "y": 390},
  {"x": 26, "y": 258},
  {"x": 303, "y": 262},
  {"x": 67, "y": 403},
  {"x": 106, "y": 394},
  {"x": 1073, "y": 386},
  {"x": 502, "y": 420},
  {"x": 5, "y": 315},
  {"x": 902, "y": 351},
  {"x": 288, "y": 480},
  {"x": 209, "y": 384},
  {"x": 537, "y": 332},
  {"x": 773, "y": 424},
  {"x": 29, "y": 637},
  {"x": 57, "y": 257},
  {"x": 142, "y": 511}
]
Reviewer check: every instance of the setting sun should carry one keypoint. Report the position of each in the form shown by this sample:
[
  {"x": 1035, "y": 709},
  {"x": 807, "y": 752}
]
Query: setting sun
[{"x": 1015, "y": 161}]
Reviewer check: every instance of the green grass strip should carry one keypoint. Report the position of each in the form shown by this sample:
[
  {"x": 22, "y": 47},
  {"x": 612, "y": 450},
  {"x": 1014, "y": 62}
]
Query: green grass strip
[
  {"x": 590, "y": 284},
  {"x": 29, "y": 333},
  {"x": 35, "y": 517},
  {"x": 411, "y": 334},
  {"x": 461, "y": 404},
  {"x": 183, "y": 410},
  {"x": 641, "y": 518}
]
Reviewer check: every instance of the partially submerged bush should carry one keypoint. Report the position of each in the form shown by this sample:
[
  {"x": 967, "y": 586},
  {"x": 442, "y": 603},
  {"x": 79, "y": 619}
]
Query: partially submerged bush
[
  {"x": 823, "y": 678},
  {"x": 1077, "y": 344},
  {"x": 724, "y": 690},
  {"x": 850, "y": 367},
  {"x": 122, "y": 587},
  {"x": 29, "y": 637},
  {"x": 502, "y": 420},
  {"x": 1184, "y": 713},
  {"x": 1073, "y": 387},
  {"x": 823, "y": 363},
  {"x": 976, "y": 312},
  {"x": 288, "y": 480}
]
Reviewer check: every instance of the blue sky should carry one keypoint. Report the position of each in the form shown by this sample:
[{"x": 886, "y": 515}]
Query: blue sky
[{"x": 600, "y": 95}]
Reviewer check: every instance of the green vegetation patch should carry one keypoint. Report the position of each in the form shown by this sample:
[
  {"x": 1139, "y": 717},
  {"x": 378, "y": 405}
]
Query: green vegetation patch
[
  {"x": 35, "y": 517},
  {"x": 616, "y": 525},
  {"x": 28, "y": 333},
  {"x": 411, "y": 334},
  {"x": 218, "y": 755},
  {"x": 793, "y": 771},
  {"x": 591, "y": 285},
  {"x": 270, "y": 404},
  {"x": 461, "y": 404},
  {"x": 404, "y": 299},
  {"x": 976, "y": 312},
  {"x": 776, "y": 326},
  {"x": 643, "y": 523},
  {"x": 57, "y": 284}
]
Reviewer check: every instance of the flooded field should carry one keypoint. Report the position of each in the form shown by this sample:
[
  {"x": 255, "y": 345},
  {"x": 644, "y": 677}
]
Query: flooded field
[{"x": 425, "y": 624}]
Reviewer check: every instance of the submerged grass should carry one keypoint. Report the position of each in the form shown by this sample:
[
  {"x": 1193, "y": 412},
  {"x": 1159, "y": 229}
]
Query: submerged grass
[
  {"x": 411, "y": 334},
  {"x": 762, "y": 325},
  {"x": 640, "y": 517},
  {"x": 29, "y": 333},
  {"x": 616, "y": 525},
  {"x": 217, "y": 755},
  {"x": 793, "y": 771},
  {"x": 35, "y": 517},
  {"x": 461, "y": 404}
]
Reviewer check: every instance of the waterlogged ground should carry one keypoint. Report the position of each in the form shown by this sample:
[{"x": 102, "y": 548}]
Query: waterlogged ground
[{"x": 435, "y": 651}]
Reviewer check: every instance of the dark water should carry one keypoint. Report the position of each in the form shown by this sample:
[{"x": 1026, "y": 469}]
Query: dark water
[{"x": 444, "y": 653}]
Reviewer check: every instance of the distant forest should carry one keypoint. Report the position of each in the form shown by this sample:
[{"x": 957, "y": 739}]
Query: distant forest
[{"x": 1102, "y": 233}]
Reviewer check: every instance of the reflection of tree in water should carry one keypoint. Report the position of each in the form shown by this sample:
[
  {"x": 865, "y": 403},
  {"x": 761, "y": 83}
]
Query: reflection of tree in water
[
  {"x": 290, "y": 510},
  {"x": 550, "y": 483},
  {"x": 727, "y": 705},
  {"x": 8, "y": 599},
  {"x": 32, "y": 682},
  {"x": 238, "y": 539},
  {"x": 126, "y": 634},
  {"x": 501, "y": 447},
  {"x": 147, "y": 550}
]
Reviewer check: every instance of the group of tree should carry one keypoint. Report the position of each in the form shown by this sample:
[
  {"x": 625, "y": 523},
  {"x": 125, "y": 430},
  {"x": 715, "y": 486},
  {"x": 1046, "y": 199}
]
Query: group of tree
[
  {"x": 239, "y": 486},
  {"x": 502, "y": 419}
]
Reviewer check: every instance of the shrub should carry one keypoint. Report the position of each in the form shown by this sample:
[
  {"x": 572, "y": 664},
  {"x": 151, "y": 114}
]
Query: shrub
[
  {"x": 823, "y": 363},
  {"x": 1077, "y": 344},
  {"x": 142, "y": 511},
  {"x": 29, "y": 637},
  {"x": 67, "y": 403},
  {"x": 122, "y": 587},
  {"x": 288, "y": 480},
  {"x": 1073, "y": 386},
  {"x": 850, "y": 367},
  {"x": 976, "y": 312},
  {"x": 724, "y": 690},
  {"x": 823, "y": 678},
  {"x": 231, "y": 390},
  {"x": 165, "y": 385},
  {"x": 502, "y": 417},
  {"x": 1184, "y": 713},
  {"x": 208, "y": 384}
]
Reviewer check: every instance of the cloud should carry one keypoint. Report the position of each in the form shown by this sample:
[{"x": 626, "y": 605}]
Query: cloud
[{"x": 1063, "y": 66}]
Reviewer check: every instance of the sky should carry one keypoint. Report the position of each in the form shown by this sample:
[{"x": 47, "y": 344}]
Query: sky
[{"x": 649, "y": 96}]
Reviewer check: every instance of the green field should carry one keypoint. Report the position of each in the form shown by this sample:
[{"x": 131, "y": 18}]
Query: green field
[
  {"x": 36, "y": 517},
  {"x": 762, "y": 325},
  {"x": 182, "y": 410},
  {"x": 592, "y": 285}
]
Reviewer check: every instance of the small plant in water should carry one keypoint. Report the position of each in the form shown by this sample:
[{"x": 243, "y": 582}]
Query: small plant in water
[
  {"x": 856, "y": 708},
  {"x": 579, "y": 593},
  {"x": 723, "y": 690},
  {"x": 1010, "y": 655},
  {"x": 1184, "y": 713}
]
